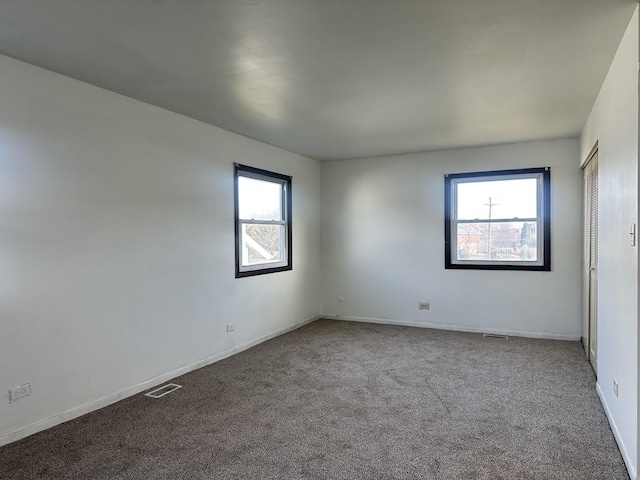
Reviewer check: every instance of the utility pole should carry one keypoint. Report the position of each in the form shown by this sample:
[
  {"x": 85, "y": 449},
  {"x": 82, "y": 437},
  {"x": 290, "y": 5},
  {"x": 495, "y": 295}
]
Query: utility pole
[{"x": 490, "y": 205}]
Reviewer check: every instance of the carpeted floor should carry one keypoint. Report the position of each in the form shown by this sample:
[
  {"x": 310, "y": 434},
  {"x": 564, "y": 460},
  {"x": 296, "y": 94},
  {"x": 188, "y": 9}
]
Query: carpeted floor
[{"x": 339, "y": 400}]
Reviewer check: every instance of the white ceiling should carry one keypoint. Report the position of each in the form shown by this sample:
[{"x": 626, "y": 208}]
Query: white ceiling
[{"x": 336, "y": 79}]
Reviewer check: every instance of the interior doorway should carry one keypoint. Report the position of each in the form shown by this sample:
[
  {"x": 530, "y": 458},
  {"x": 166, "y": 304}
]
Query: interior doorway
[{"x": 590, "y": 259}]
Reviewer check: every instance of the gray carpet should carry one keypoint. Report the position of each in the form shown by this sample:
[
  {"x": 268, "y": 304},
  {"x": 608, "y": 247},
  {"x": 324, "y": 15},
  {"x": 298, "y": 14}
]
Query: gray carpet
[{"x": 341, "y": 400}]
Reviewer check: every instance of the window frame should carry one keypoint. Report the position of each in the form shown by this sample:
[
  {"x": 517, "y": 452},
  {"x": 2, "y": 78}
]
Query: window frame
[
  {"x": 285, "y": 182},
  {"x": 543, "y": 219}
]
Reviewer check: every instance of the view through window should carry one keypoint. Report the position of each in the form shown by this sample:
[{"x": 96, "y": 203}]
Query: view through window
[
  {"x": 498, "y": 220},
  {"x": 263, "y": 221}
]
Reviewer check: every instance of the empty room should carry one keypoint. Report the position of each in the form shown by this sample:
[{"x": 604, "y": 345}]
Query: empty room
[{"x": 319, "y": 239}]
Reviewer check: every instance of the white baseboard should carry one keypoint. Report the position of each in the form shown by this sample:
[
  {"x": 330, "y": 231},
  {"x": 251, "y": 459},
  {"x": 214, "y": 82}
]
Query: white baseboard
[
  {"x": 141, "y": 387},
  {"x": 616, "y": 434},
  {"x": 458, "y": 328}
]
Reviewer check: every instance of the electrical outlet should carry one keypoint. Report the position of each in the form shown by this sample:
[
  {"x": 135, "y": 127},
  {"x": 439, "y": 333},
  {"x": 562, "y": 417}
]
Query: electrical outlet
[
  {"x": 615, "y": 387},
  {"x": 231, "y": 327},
  {"x": 423, "y": 306},
  {"x": 23, "y": 390}
]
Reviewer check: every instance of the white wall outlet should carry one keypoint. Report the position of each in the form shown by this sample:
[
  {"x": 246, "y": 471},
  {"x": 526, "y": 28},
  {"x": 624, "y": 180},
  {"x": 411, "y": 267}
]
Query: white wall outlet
[
  {"x": 231, "y": 327},
  {"x": 23, "y": 390},
  {"x": 615, "y": 387},
  {"x": 423, "y": 306}
]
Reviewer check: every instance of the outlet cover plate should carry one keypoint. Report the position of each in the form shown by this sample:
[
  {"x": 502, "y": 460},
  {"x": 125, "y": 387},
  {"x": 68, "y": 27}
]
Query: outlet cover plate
[{"x": 23, "y": 390}]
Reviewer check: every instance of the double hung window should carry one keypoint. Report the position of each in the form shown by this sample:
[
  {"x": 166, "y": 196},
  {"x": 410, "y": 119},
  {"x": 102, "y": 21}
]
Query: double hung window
[
  {"x": 262, "y": 221},
  {"x": 498, "y": 220}
]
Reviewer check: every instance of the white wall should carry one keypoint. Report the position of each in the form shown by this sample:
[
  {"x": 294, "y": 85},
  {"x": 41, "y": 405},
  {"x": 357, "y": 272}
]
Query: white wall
[
  {"x": 614, "y": 124},
  {"x": 383, "y": 244},
  {"x": 117, "y": 245}
]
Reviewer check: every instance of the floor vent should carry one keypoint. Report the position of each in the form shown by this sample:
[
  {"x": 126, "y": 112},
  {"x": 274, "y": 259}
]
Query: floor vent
[
  {"x": 162, "y": 391},
  {"x": 495, "y": 335}
]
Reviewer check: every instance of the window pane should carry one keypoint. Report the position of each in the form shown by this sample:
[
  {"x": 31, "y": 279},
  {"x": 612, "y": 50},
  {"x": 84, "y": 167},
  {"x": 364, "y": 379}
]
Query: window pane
[
  {"x": 500, "y": 199},
  {"x": 259, "y": 199},
  {"x": 262, "y": 244},
  {"x": 501, "y": 241}
]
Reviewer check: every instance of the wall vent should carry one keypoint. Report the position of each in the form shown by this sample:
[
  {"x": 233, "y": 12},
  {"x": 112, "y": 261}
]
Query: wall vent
[
  {"x": 162, "y": 391},
  {"x": 495, "y": 335}
]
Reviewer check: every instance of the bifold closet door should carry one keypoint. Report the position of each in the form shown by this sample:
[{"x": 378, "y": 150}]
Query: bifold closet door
[{"x": 590, "y": 260}]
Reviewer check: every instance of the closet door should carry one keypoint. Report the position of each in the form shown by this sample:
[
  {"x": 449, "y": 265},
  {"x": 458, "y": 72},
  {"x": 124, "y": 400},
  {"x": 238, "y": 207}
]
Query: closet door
[{"x": 590, "y": 260}]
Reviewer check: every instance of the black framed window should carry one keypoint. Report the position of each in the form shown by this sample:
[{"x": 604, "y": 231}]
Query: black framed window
[
  {"x": 498, "y": 220},
  {"x": 262, "y": 221}
]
